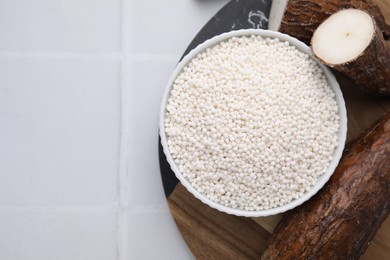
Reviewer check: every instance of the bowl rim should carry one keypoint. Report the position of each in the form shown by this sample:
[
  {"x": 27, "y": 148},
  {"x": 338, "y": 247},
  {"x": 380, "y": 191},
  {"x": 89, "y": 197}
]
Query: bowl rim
[{"x": 341, "y": 112}]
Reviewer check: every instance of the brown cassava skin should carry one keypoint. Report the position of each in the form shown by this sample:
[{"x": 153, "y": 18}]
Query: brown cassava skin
[
  {"x": 341, "y": 220},
  {"x": 371, "y": 70},
  {"x": 302, "y": 17}
]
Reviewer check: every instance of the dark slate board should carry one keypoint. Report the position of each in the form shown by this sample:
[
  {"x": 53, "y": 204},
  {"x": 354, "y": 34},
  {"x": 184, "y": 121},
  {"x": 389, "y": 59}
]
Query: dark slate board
[{"x": 236, "y": 15}]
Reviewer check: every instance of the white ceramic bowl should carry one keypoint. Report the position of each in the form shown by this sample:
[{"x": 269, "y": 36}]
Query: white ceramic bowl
[{"x": 341, "y": 135}]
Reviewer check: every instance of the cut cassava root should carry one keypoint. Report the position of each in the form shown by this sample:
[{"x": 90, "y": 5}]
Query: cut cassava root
[
  {"x": 350, "y": 42},
  {"x": 343, "y": 37},
  {"x": 341, "y": 220},
  {"x": 300, "y": 18}
]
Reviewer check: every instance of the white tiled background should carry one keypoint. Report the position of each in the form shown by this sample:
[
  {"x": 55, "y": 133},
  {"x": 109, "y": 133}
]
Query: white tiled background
[{"x": 80, "y": 89}]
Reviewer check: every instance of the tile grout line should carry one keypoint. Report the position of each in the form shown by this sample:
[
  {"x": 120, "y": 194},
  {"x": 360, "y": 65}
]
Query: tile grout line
[
  {"x": 98, "y": 55},
  {"x": 121, "y": 239},
  {"x": 101, "y": 208},
  {"x": 154, "y": 57},
  {"x": 62, "y": 55},
  {"x": 162, "y": 207}
]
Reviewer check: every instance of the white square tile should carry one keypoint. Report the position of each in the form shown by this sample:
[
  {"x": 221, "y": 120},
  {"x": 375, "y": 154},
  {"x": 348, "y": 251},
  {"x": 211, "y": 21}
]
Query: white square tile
[
  {"x": 147, "y": 84},
  {"x": 71, "y": 25},
  {"x": 47, "y": 235},
  {"x": 154, "y": 235},
  {"x": 168, "y": 27},
  {"x": 59, "y": 131}
]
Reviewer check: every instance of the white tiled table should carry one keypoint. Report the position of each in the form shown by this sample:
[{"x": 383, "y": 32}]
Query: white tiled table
[{"x": 80, "y": 89}]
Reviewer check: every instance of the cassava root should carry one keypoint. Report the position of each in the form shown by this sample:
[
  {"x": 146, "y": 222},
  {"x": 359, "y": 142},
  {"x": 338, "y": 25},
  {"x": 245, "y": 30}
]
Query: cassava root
[
  {"x": 300, "y": 18},
  {"x": 350, "y": 42},
  {"x": 341, "y": 220}
]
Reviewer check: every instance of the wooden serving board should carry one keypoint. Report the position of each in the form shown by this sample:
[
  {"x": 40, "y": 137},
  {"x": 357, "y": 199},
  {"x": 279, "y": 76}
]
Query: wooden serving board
[{"x": 211, "y": 234}]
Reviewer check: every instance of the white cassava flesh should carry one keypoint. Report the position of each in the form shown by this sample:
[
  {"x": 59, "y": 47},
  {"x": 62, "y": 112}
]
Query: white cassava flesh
[
  {"x": 343, "y": 36},
  {"x": 350, "y": 41},
  {"x": 277, "y": 11}
]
